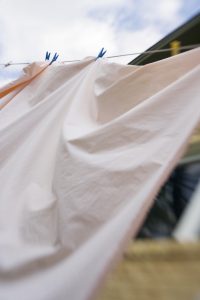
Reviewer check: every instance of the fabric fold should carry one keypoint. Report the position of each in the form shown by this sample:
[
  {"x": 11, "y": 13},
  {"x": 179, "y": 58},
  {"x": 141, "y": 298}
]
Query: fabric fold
[{"x": 85, "y": 148}]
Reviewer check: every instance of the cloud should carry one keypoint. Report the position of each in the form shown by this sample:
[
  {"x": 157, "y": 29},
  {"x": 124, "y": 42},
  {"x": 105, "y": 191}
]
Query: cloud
[
  {"x": 32, "y": 27},
  {"x": 76, "y": 29}
]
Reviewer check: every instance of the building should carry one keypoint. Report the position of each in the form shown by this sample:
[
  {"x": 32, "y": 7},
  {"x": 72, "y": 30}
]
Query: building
[
  {"x": 177, "y": 191},
  {"x": 185, "y": 35}
]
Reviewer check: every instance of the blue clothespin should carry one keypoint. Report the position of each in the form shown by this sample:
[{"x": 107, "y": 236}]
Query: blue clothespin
[
  {"x": 101, "y": 53},
  {"x": 47, "y": 57},
  {"x": 54, "y": 58},
  {"x": 8, "y": 64}
]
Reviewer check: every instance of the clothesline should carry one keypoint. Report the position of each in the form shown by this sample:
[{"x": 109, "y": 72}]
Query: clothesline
[
  {"x": 84, "y": 154},
  {"x": 187, "y": 47}
]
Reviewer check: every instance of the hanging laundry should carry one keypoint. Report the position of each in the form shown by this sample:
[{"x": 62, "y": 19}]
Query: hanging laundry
[
  {"x": 84, "y": 149},
  {"x": 10, "y": 90}
]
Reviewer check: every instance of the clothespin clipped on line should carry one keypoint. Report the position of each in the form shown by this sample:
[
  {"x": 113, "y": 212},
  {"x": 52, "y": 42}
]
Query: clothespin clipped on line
[
  {"x": 8, "y": 64},
  {"x": 101, "y": 53},
  {"x": 54, "y": 58},
  {"x": 47, "y": 57}
]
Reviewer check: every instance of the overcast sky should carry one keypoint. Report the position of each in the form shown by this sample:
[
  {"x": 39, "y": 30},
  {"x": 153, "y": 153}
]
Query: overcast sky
[{"x": 76, "y": 29}]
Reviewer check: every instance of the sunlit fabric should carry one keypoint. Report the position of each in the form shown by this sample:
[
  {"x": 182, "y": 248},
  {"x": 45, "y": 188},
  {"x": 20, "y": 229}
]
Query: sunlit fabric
[{"x": 84, "y": 150}]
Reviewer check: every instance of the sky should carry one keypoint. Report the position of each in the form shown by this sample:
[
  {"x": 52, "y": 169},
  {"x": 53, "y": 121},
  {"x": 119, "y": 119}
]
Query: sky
[{"x": 77, "y": 29}]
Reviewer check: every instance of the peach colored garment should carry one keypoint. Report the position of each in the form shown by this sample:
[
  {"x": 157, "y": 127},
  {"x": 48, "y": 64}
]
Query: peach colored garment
[
  {"x": 84, "y": 149},
  {"x": 11, "y": 89}
]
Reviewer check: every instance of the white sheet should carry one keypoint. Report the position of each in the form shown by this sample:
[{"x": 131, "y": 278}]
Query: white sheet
[{"x": 84, "y": 148}]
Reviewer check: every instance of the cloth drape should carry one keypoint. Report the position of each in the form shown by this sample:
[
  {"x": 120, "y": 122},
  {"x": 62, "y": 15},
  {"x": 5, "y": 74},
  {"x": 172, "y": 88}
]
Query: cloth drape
[{"x": 84, "y": 149}]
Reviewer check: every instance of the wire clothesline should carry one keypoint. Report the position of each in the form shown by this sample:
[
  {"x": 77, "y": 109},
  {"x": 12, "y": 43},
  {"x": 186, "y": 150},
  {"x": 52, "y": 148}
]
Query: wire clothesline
[{"x": 187, "y": 47}]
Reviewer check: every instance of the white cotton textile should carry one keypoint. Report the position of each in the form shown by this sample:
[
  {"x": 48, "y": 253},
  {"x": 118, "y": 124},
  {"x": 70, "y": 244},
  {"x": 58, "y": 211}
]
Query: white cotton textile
[{"x": 84, "y": 148}]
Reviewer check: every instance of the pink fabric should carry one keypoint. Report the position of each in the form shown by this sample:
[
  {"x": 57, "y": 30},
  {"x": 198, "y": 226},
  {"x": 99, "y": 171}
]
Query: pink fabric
[{"x": 84, "y": 149}]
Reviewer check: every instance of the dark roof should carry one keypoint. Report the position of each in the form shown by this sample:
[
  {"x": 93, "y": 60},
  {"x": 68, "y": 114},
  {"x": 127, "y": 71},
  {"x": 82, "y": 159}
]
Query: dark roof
[{"x": 187, "y": 34}]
